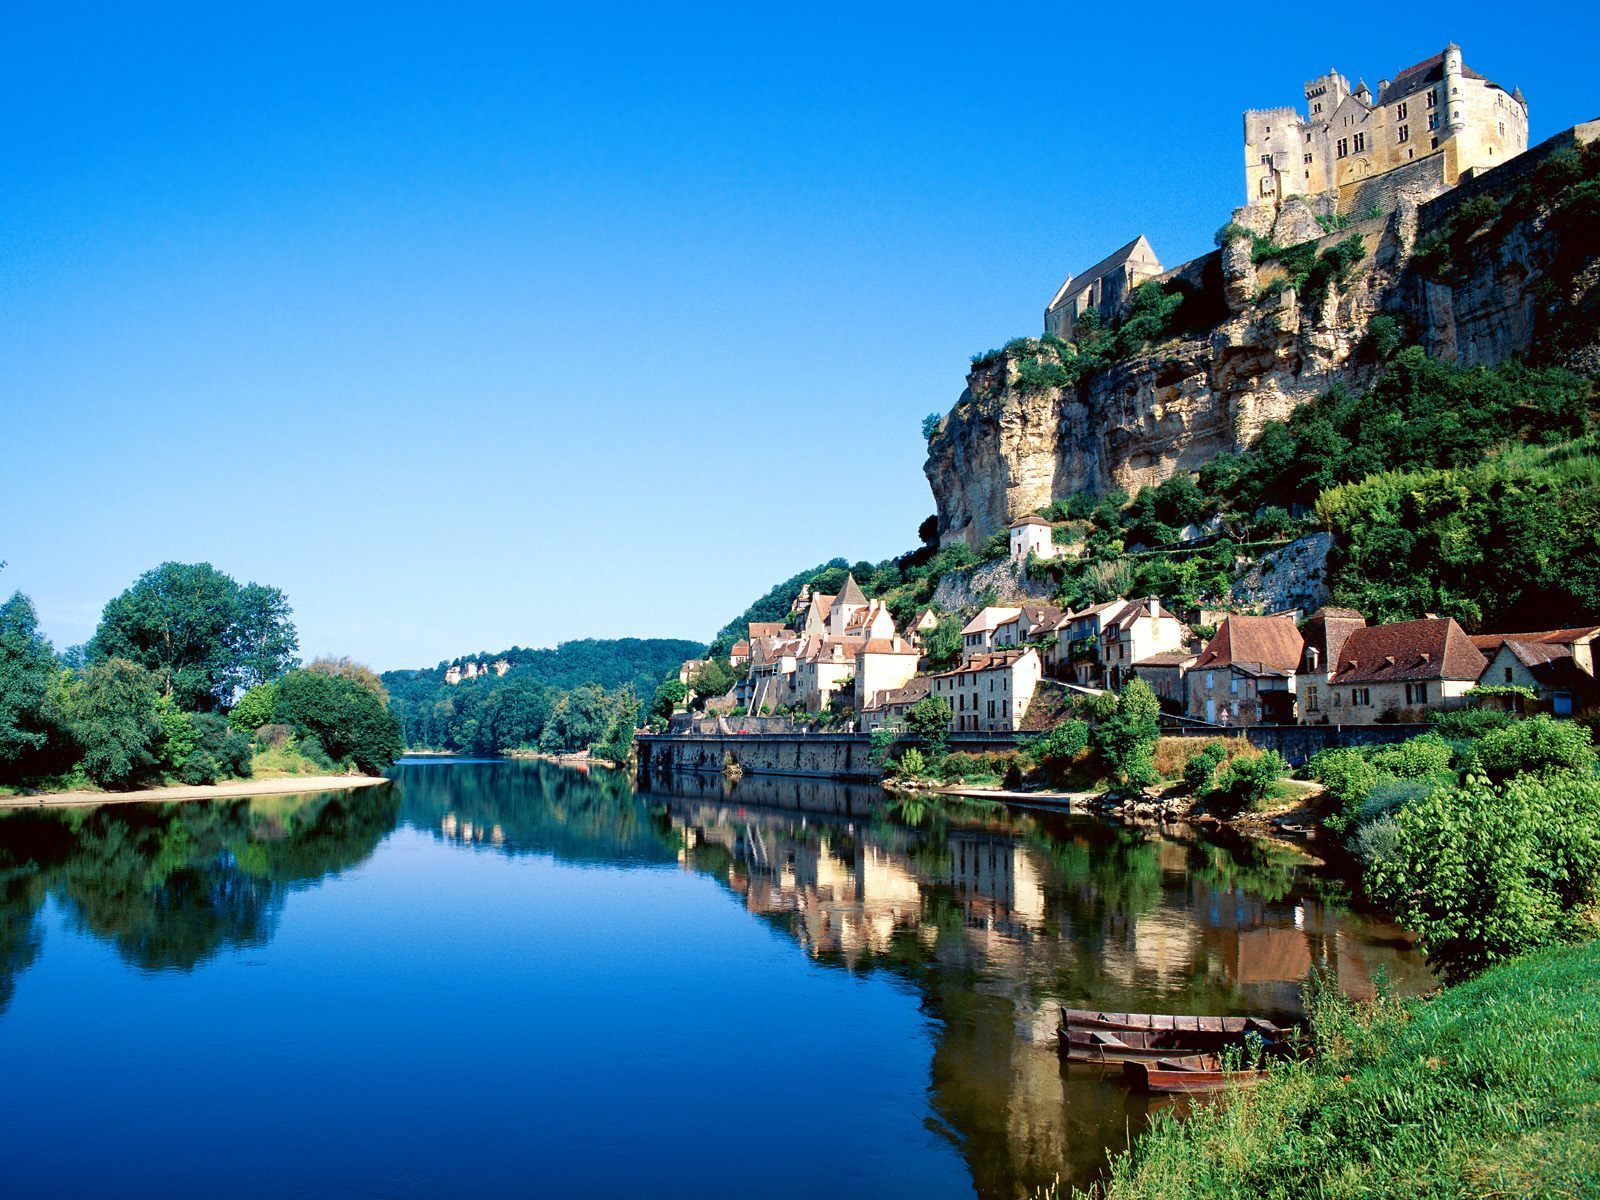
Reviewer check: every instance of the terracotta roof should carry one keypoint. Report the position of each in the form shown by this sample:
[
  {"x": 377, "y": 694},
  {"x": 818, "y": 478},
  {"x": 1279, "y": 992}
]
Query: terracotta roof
[
  {"x": 887, "y": 646},
  {"x": 914, "y": 690},
  {"x": 1168, "y": 658},
  {"x": 1432, "y": 648},
  {"x": 740, "y": 647},
  {"x": 1271, "y": 641},
  {"x": 761, "y": 629},
  {"x": 1490, "y": 642},
  {"x": 1030, "y": 519},
  {"x": 987, "y": 662},
  {"x": 990, "y": 618},
  {"x": 1040, "y": 615}
]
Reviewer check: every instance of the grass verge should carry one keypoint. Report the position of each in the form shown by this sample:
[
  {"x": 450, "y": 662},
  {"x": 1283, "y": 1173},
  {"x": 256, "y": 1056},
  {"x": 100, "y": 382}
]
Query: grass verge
[{"x": 1490, "y": 1088}]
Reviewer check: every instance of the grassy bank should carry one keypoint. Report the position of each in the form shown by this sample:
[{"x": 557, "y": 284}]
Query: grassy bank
[{"x": 1491, "y": 1088}]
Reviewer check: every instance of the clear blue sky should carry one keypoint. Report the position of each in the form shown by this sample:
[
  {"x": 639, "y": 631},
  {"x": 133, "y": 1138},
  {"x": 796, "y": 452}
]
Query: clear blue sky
[{"x": 473, "y": 325}]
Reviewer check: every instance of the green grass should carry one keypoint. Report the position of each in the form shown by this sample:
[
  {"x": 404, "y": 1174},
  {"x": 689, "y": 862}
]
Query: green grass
[
  {"x": 277, "y": 762},
  {"x": 1491, "y": 1088}
]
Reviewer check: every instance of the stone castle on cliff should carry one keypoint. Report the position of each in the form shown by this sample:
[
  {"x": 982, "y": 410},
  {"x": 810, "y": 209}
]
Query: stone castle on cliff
[{"x": 1432, "y": 126}]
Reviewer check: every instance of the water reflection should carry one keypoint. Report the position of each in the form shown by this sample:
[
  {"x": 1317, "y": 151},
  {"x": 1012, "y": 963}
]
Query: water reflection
[{"x": 993, "y": 916}]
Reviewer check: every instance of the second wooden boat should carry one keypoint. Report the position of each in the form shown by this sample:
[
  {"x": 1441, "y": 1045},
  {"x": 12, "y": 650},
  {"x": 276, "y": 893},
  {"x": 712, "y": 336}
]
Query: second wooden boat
[
  {"x": 1116, "y": 1022},
  {"x": 1189, "y": 1073}
]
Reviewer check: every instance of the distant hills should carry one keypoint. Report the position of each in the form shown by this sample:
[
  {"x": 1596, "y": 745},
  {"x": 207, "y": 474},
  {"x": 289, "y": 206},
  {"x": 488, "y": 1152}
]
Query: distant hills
[{"x": 607, "y": 662}]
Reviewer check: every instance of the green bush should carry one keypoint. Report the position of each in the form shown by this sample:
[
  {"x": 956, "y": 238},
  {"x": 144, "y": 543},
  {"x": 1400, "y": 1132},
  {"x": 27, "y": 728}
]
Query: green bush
[
  {"x": 1348, "y": 778},
  {"x": 1540, "y": 743},
  {"x": 1246, "y": 782},
  {"x": 1426, "y": 757},
  {"x": 1054, "y": 751},
  {"x": 112, "y": 712},
  {"x": 254, "y": 708},
  {"x": 1485, "y": 872},
  {"x": 911, "y": 764},
  {"x": 346, "y": 719},
  {"x": 1125, "y": 732},
  {"x": 1201, "y": 768},
  {"x": 1468, "y": 724}
]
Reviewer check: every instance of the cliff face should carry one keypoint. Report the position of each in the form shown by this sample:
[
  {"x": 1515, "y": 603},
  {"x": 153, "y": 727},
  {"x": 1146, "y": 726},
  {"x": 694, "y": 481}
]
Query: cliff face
[{"x": 1007, "y": 449}]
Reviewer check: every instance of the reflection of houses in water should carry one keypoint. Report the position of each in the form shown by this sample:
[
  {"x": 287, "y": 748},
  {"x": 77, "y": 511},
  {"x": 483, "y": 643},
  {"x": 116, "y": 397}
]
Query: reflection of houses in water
[{"x": 467, "y": 832}]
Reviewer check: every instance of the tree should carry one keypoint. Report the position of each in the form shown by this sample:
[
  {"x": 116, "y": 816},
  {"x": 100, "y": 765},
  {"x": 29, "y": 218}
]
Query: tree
[
  {"x": 344, "y": 717},
  {"x": 198, "y": 632},
  {"x": 667, "y": 698},
  {"x": 1055, "y": 750},
  {"x": 112, "y": 713},
  {"x": 941, "y": 645},
  {"x": 928, "y": 720},
  {"x": 254, "y": 708},
  {"x": 712, "y": 678},
  {"x": 1125, "y": 733},
  {"x": 930, "y": 426},
  {"x": 27, "y": 670},
  {"x": 347, "y": 668},
  {"x": 617, "y": 742}
]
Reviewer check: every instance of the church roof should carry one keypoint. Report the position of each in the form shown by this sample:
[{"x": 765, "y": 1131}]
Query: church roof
[
  {"x": 1076, "y": 283},
  {"x": 852, "y": 593}
]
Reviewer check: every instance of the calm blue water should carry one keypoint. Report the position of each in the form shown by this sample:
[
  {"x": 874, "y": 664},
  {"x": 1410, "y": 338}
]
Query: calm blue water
[{"x": 507, "y": 979}]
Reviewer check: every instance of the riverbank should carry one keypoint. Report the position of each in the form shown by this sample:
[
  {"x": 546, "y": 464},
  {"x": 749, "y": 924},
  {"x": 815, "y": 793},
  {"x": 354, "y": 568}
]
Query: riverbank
[
  {"x": 1491, "y": 1087},
  {"x": 285, "y": 785}
]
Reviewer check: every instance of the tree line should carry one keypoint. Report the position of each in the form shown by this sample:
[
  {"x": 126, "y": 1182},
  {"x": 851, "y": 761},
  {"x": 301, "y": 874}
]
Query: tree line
[{"x": 189, "y": 676}]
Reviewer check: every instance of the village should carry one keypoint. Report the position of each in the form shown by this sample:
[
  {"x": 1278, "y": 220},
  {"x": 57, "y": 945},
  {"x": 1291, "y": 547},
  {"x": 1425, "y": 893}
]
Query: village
[{"x": 842, "y": 660}]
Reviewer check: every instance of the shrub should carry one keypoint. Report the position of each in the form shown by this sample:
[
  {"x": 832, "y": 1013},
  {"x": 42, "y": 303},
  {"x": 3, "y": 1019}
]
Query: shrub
[
  {"x": 1389, "y": 796},
  {"x": 1246, "y": 782},
  {"x": 112, "y": 714},
  {"x": 1424, "y": 757},
  {"x": 275, "y": 735},
  {"x": 1201, "y": 769},
  {"x": 1485, "y": 872},
  {"x": 1055, "y": 750},
  {"x": 1348, "y": 778},
  {"x": 199, "y": 768},
  {"x": 910, "y": 764},
  {"x": 1462, "y": 724},
  {"x": 1540, "y": 743},
  {"x": 344, "y": 717}
]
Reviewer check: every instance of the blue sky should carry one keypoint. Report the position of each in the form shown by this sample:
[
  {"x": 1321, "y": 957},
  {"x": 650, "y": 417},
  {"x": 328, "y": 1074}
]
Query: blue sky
[{"x": 480, "y": 325}]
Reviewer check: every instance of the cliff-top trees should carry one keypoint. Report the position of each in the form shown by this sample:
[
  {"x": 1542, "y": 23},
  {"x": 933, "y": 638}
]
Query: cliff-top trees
[{"x": 201, "y": 634}]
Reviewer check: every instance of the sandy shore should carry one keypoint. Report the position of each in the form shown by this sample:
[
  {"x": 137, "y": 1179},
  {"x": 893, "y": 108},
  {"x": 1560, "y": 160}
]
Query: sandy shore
[{"x": 236, "y": 787}]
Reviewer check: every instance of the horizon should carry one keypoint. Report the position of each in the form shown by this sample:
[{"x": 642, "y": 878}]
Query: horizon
[{"x": 467, "y": 307}]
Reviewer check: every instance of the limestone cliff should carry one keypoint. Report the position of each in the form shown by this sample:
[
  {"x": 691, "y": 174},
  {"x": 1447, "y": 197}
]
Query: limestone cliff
[{"x": 1010, "y": 445}]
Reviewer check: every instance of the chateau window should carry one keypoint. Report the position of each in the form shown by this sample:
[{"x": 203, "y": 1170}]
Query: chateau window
[
  {"x": 1405, "y": 133},
  {"x": 1311, "y": 700},
  {"x": 1433, "y": 99},
  {"x": 1344, "y": 147},
  {"x": 1316, "y": 108},
  {"x": 1433, "y": 120},
  {"x": 1400, "y": 111},
  {"x": 1308, "y": 160},
  {"x": 1361, "y": 142},
  {"x": 1266, "y": 160},
  {"x": 1433, "y": 143}
]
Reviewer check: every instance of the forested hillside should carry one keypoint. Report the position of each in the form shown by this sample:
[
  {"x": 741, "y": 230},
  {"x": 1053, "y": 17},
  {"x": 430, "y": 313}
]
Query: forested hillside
[{"x": 556, "y": 700}]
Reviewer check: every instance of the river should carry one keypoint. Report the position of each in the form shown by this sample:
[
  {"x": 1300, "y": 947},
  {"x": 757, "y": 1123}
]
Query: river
[{"x": 515, "y": 979}]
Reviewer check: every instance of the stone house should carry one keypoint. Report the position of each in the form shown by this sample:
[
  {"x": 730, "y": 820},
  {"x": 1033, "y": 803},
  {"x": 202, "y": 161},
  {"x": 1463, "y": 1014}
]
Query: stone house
[
  {"x": 1034, "y": 535},
  {"x": 1075, "y": 656},
  {"x": 1439, "y": 106},
  {"x": 990, "y": 692},
  {"x": 883, "y": 665},
  {"x": 1245, "y": 675},
  {"x": 1558, "y": 665},
  {"x": 1325, "y": 635},
  {"x": 739, "y": 654},
  {"x": 890, "y": 707},
  {"x": 822, "y": 669},
  {"x": 1033, "y": 622},
  {"x": 1141, "y": 629},
  {"x": 1104, "y": 287},
  {"x": 1402, "y": 671},
  {"x": 977, "y": 635},
  {"x": 1167, "y": 673},
  {"x": 927, "y": 620}
]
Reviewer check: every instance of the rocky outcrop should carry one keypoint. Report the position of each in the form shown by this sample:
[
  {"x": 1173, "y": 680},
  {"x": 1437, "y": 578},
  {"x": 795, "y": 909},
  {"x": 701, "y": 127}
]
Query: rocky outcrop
[
  {"x": 1011, "y": 446},
  {"x": 1293, "y": 577},
  {"x": 1002, "y": 582}
]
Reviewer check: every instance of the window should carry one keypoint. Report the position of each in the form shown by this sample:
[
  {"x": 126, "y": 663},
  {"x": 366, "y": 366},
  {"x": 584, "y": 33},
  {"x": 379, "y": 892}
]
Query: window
[
  {"x": 1433, "y": 120},
  {"x": 1344, "y": 147},
  {"x": 1233, "y": 686},
  {"x": 1433, "y": 143},
  {"x": 1416, "y": 693},
  {"x": 1400, "y": 111},
  {"x": 1308, "y": 160},
  {"x": 1266, "y": 160},
  {"x": 1508, "y": 674},
  {"x": 1316, "y": 108},
  {"x": 991, "y": 710},
  {"x": 1312, "y": 703},
  {"x": 1210, "y": 680},
  {"x": 1433, "y": 98},
  {"x": 1361, "y": 142},
  {"x": 1361, "y": 696},
  {"x": 1405, "y": 133}
]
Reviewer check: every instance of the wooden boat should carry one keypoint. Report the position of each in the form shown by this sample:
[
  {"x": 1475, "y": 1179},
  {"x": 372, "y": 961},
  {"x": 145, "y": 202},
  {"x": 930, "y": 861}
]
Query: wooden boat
[
  {"x": 1115, "y": 1022},
  {"x": 1103, "y": 1046},
  {"x": 1189, "y": 1073}
]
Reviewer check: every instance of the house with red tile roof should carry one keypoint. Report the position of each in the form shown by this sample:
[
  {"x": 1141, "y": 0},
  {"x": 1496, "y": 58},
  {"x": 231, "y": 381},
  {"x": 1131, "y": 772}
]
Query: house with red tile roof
[
  {"x": 1325, "y": 635},
  {"x": 1557, "y": 665},
  {"x": 1403, "y": 670},
  {"x": 1245, "y": 675},
  {"x": 990, "y": 692}
]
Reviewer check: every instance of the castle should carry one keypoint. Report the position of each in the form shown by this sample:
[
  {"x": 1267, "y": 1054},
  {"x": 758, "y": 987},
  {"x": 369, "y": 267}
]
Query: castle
[
  {"x": 1440, "y": 106},
  {"x": 1431, "y": 127}
]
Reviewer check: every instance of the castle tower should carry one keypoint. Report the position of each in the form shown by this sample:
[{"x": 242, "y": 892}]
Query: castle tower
[{"x": 1451, "y": 88}]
